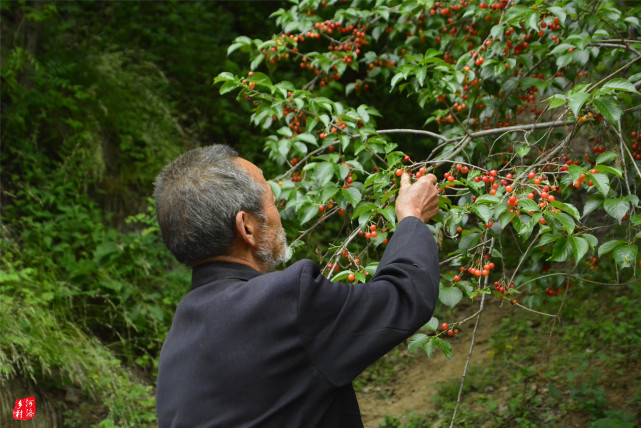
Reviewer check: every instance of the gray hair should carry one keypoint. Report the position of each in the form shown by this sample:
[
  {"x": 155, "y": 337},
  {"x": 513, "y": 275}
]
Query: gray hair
[{"x": 197, "y": 198}]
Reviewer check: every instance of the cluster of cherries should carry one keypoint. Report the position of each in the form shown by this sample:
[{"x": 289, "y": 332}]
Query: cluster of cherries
[
  {"x": 636, "y": 147},
  {"x": 297, "y": 120},
  {"x": 551, "y": 292},
  {"x": 450, "y": 331},
  {"x": 501, "y": 288}
]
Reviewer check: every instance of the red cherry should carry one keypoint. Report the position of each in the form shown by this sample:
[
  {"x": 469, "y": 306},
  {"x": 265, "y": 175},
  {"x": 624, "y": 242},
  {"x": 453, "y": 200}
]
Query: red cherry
[
  {"x": 351, "y": 277},
  {"x": 450, "y": 332},
  {"x": 372, "y": 227},
  {"x": 399, "y": 172}
]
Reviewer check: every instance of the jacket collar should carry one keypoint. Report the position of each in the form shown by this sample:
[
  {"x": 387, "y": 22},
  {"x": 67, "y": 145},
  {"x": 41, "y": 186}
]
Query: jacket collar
[{"x": 214, "y": 271}]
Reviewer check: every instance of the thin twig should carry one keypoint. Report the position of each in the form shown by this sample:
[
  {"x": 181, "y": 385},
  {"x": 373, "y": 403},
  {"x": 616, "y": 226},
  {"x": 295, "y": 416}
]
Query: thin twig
[
  {"x": 466, "y": 140},
  {"x": 556, "y": 318},
  {"x": 616, "y": 46},
  {"x": 319, "y": 222},
  {"x": 621, "y": 146},
  {"x": 611, "y": 75},
  {"x": 340, "y": 250},
  {"x": 527, "y": 127},
  {"x": 467, "y": 362},
  {"x": 532, "y": 310},
  {"x": 469, "y": 354},
  {"x": 413, "y": 131}
]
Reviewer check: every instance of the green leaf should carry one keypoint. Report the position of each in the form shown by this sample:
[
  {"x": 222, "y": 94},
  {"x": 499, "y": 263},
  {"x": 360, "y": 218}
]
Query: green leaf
[
  {"x": 582, "y": 56},
  {"x": 602, "y": 183},
  {"x": 609, "y": 108},
  {"x": 620, "y": 85},
  {"x": 309, "y": 213},
  {"x": 592, "y": 204},
  {"x": 224, "y": 76},
  {"x": 328, "y": 192},
  {"x": 570, "y": 209},
  {"x": 566, "y": 221},
  {"x": 500, "y": 209},
  {"x": 352, "y": 194},
  {"x": 468, "y": 241},
  {"x": 528, "y": 205},
  {"x": 576, "y": 101},
  {"x": 575, "y": 172},
  {"x": 323, "y": 173},
  {"x": 606, "y": 157},
  {"x": 562, "y": 250},
  {"x": 363, "y": 112},
  {"x": 592, "y": 240},
  {"x": 617, "y": 207},
  {"x": 487, "y": 199},
  {"x": 559, "y": 12},
  {"x": 444, "y": 346},
  {"x": 228, "y": 87},
  {"x": 505, "y": 219},
  {"x": 483, "y": 211},
  {"x": 526, "y": 228},
  {"x": 389, "y": 213},
  {"x": 450, "y": 296},
  {"x": 417, "y": 341},
  {"x": 307, "y": 138},
  {"x": 564, "y": 60},
  {"x": 523, "y": 151},
  {"x": 625, "y": 255},
  {"x": 429, "y": 348},
  {"x": 364, "y": 207},
  {"x": 611, "y": 169},
  {"x": 496, "y": 31},
  {"x": 556, "y": 101},
  {"x": 533, "y": 21},
  {"x": 608, "y": 246},
  {"x": 432, "y": 324},
  {"x": 580, "y": 247},
  {"x": 395, "y": 79},
  {"x": 260, "y": 79}
]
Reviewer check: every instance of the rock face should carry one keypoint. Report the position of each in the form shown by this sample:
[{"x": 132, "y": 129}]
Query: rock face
[{"x": 48, "y": 413}]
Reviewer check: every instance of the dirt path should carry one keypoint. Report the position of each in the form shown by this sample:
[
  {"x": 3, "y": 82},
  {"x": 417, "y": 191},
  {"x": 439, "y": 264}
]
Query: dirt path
[{"x": 414, "y": 385}]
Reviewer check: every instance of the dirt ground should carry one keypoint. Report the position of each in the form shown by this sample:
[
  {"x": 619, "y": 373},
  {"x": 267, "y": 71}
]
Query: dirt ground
[{"x": 406, "y": 393}]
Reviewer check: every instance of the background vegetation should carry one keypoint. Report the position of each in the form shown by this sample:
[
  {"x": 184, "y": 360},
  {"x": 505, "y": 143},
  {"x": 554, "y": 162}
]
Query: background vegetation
[{"x": 98, "y": 96}]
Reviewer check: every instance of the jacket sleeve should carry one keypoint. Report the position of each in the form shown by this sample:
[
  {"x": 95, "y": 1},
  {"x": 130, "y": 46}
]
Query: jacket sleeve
[{"x": 345, "y": 328}]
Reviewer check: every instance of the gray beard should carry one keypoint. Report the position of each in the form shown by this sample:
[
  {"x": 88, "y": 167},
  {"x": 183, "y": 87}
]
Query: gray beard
[{"x": 273, "y": 250}]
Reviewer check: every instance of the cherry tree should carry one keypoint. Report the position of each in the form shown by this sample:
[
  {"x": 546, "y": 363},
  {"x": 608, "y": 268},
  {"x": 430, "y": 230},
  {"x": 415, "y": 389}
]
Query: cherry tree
[{"x": 529, "y": 114}]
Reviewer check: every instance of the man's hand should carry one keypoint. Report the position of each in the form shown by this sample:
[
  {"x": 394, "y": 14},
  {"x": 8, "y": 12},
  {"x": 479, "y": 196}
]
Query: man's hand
[{"x": 419, "y": 199}]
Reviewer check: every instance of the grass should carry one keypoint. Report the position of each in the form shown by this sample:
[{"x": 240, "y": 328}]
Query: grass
[{"x": 589, "y": 376}]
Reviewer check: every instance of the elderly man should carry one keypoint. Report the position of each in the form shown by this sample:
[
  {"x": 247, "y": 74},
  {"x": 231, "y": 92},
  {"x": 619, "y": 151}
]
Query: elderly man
[{"x": 248, "y": 348}]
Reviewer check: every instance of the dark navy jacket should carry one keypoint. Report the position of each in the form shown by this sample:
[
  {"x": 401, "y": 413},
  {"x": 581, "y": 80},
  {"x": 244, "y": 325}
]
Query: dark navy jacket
[{"x": 281, "y": 349}]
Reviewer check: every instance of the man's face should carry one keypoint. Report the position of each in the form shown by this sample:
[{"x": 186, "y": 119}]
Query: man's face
[{"x": 272, "y": 246}]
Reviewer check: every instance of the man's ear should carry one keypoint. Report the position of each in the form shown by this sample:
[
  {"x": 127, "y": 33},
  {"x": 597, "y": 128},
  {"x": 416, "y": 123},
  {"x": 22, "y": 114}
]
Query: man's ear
[{"x": 247, "y": 228}]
